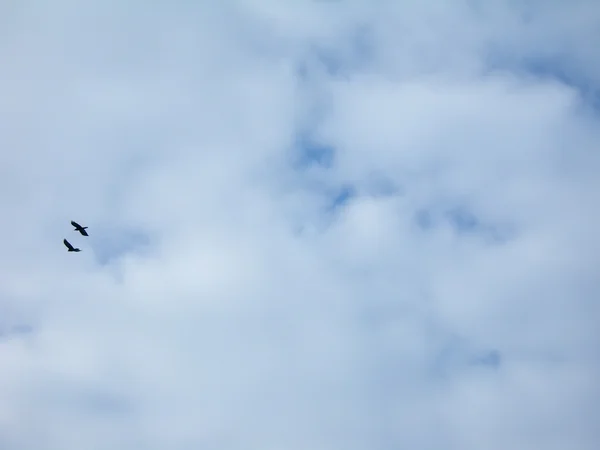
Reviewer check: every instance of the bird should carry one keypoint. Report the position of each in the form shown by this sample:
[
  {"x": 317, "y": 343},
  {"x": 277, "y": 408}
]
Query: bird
[
  {"x": 70, "y": 247},
  {"x": 79, "y": 228}
]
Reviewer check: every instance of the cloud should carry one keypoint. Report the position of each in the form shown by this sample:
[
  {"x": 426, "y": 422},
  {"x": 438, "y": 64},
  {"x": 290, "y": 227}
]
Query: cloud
[{"x": 330, "y": 225}]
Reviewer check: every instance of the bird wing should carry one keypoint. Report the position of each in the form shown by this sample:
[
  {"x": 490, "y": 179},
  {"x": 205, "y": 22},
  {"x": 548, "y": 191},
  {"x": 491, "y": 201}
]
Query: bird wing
[
  {"x": 75, "y": 224},
  {"x": 69, "y": 246}
]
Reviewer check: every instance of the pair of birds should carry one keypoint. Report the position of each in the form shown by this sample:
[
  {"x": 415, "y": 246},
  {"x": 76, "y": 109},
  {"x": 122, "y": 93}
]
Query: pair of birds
[{"x": 77, "y": 228}]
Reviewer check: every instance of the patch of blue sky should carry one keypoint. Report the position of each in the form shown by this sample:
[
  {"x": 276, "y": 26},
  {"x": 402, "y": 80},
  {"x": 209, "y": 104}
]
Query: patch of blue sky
[
  {"x": 463, "y": 220},
  {"x": 309, "y": 152},
  {"x": 341, "y": 196},
  {"x": 552, "y": 68},
  {"x": 377, "y": 184},
  {"x": 489, "y": 358},
  {"x": 558, "y": 68},
  {"x": 458, "y": 355},
  {"x": 356, "y": 55}
]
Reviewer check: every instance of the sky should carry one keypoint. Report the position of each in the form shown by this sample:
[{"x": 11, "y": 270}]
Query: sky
[{"x": 312, "y": 225}]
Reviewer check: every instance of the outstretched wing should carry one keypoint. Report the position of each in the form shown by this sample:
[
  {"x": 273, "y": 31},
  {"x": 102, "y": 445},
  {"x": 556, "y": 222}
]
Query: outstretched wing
[
  {"x": 69, "y": 246},
  {"x": 75, "y": 224}
]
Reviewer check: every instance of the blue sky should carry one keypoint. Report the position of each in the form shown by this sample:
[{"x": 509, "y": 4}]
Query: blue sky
[{"x": 314, "y": 225}]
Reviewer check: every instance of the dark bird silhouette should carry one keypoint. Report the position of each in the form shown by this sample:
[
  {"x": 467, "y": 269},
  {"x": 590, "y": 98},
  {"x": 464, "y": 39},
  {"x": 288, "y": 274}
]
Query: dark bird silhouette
[
  {"x": 79, "y": 228},
  {"x": 70, "y": 247}
]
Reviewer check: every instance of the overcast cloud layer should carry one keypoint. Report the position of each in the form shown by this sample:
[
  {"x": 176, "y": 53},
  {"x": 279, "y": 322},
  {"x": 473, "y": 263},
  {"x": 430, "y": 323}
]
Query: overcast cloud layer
[{"x": 360, "y": 225}]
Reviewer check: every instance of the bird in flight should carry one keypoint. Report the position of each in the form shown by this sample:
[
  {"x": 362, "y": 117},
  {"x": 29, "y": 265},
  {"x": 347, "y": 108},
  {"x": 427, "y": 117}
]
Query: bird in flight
[
  {"x": 79, "y": 228},
  {"x": 70, "y": 247}
]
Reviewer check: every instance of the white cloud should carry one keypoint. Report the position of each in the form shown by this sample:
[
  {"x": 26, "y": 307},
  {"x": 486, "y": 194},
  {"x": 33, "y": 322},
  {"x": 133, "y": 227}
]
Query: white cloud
[{"x": 224, "y": 301}]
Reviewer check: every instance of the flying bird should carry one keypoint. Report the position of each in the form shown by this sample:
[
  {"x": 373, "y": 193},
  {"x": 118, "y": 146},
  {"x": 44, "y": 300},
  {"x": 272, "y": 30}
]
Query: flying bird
[
  {"x": 79, "y": 228},
  {"x": 70, "y": 247}
]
